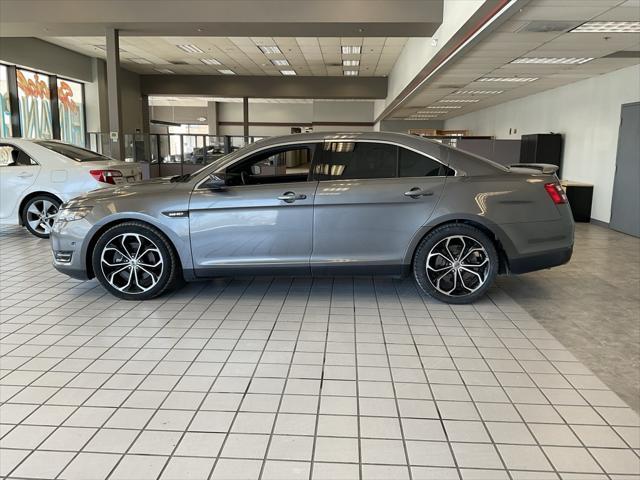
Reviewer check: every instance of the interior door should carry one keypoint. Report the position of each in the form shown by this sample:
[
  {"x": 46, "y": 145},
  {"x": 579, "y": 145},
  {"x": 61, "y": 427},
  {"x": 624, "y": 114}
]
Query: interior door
[
  {"x": 371, "y": 200},
  {"x": 262, "y": 220},
  {"x": 17, "y": 173},
  {"x": 625, "y": 215}
]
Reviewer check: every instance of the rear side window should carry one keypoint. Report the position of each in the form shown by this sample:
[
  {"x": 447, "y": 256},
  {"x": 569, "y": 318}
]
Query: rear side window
[
  {"x": 356, "y": 160},
  {"x": 74, "y": 153},
  {"x": 413, "y": 164}
]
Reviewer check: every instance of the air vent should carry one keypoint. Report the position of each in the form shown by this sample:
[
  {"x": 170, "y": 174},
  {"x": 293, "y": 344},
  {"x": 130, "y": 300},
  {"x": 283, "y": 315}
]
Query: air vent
[
  {"x": 449, "y": 87},
  {"x": 334, "y": 65},
  {"x": 178, "y": 62},
  {"x": 547, "y": 26},
  {"x": 624, "y": 54}
]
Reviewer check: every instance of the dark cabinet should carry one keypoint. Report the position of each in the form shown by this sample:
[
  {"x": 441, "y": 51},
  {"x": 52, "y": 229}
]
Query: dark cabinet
[{"x": 542, "y": 148}]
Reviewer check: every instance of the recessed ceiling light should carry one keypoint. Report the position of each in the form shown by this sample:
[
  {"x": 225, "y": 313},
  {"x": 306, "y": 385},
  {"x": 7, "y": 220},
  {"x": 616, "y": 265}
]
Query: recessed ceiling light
[
  {"x": 163, "y": 70},
  {"x": 554, "y": 60},
  {"x": 350, "y": 63},
  {"x": 608, "y": 27},
  {"x": 226, "y": 71},
  {"x": 288, "y": 72},
  {"x": 351, "y": 49},
  {"x": 479, "y": 92},
  {"x": 270, "y": 49},
  {"x": 210, "y": 61},
  {"x": 280, "y": 62},
  {"x": 190, "y": 48},
  {"x": 459, "y": 100},
  {"x": 507, "y": 79},
  {"x": 351, "y": 73},
  {"x": 445, "y": 106},
  {"x": 142, "y": 61}
]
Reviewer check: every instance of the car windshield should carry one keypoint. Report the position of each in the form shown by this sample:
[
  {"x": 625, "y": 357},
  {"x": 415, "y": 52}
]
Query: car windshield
[{"x": 74, "y": 153}]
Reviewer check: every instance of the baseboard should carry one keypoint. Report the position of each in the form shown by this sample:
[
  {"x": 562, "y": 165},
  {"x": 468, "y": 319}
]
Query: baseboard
[{"x": 599, "y": 223}]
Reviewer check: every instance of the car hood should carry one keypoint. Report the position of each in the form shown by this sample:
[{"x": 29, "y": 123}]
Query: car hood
[{"x": 155, "y": 186}]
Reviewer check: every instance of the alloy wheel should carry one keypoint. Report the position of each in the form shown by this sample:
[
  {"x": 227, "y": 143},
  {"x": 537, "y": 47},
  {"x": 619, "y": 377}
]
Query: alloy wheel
[
  {"x": 40, "y": 216},
  {"x": 132, "y": 263},
  {"x": 457, "y": 265}
]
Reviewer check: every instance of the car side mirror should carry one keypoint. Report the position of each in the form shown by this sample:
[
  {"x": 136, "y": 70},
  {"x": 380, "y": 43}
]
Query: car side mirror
[
  {"x": 215, "y": 183},
  {"x": 256, "y": 170}
]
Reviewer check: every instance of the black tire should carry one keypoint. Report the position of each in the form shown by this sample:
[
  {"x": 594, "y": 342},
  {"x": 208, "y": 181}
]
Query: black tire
[
  {"x": 167, "y": 277},
  {"x": 39, "y": 226},
  {"x": 467, "y": 287}
]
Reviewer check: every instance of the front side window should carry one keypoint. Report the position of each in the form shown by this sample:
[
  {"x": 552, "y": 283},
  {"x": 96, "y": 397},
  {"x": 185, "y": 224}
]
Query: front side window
[
  {"x": 278, "y": 165},
  {"x": 11, "y": 156},
  {"x": 413, "y": 164},
  {"x": 356, "y": 160}
]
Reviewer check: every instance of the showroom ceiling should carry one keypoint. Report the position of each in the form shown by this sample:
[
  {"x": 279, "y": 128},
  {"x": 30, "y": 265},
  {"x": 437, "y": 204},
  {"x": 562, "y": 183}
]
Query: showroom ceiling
[
  {"x": 191, "y": 101},
  {"x": 533, "y": 51},
  {"x": 306, "y": 56}
]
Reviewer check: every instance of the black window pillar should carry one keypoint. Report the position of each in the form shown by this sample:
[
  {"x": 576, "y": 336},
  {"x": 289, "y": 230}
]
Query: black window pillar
[
  {"x": 14, "y": 102},
  {"x": 55, "y": 106}
]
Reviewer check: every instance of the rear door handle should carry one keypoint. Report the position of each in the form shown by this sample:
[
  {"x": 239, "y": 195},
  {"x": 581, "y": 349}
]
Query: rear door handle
[
  {"x": 417, "y": 193},
  {"x": 291, "y": 197},
  {"x": 25, "y": 174}
]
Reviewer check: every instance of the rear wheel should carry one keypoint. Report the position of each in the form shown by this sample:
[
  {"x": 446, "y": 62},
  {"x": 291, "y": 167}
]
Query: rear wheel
[
  {"x": 456, "y": 263},
  {"x": 38, "y": 214},
  {"x": 135, "y": 261}
]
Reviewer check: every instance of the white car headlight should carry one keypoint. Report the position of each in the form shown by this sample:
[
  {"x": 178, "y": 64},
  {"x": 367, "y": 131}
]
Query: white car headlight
[{"x": 70, "y": 214}]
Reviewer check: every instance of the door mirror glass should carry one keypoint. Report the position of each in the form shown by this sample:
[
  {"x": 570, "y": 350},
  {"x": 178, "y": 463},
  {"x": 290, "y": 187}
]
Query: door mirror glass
[{"x": 256, "y": 170}]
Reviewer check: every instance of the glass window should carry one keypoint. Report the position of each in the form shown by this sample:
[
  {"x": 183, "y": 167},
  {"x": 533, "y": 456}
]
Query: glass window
[
  {"x": 71, "y": 107},
  {"x": 35, "y": 104},
  {"x": 11, "y": 156},
  {"x": 74, "y": 153},
  {"x": 413, "y": 164},
  {"x": 356, "y": 160},
  {"x": 281, "y": 165},
  {"x": 5, "y": 105}
]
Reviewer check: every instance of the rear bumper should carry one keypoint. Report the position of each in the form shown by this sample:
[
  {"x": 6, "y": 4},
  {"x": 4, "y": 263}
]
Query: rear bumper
[{"x": 540, "y": 261}]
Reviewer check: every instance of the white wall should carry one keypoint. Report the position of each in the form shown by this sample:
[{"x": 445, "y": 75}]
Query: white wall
[{"x": 587, "y": 113}]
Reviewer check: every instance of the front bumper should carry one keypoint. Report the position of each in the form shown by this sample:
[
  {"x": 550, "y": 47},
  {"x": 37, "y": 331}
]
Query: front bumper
[{"x": 68, "y": 239}]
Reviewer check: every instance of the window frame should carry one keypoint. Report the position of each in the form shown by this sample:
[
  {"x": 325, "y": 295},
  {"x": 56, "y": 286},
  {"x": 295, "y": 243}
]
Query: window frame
[{"x": 387, "y": 142}]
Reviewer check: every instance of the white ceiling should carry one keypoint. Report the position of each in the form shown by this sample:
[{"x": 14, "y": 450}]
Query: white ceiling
[
  {"x": 310, "y": 56},
  {"x": 492, "y": 56},
  {"x": 166, "y": 101}
]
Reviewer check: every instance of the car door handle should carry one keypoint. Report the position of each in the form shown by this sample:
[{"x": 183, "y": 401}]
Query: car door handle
[
  {"x": 291, "y": 197},
  {"x": 417, "y": 193},
  {"x": 25, "y": 174}
]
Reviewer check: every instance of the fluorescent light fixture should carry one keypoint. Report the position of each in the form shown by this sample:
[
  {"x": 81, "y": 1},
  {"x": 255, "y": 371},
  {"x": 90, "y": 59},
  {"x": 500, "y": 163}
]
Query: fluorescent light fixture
[
  {"x": 608, "y": 27},
  {"x": 280, "y": 62},
  {"x": 459, "y": 100},
  {"x": 553, "y": 60},
  {"x": 163, "y": 70},
  {"x": 350, "y": 63},
  {"x": 270, "y": 49},
  {"x": 142, "y": 61},
  {"x": 288, "y": 72},
  {"x": 351, "y": 49},
  {"x": 507, "y": 79},
  {"x": 190, "y": 48},
  {"x": 444, "y": 106},
  {"x": 435, "y": 112},
  {"x": 351, "y": 73},
  {"x": 226, "y": 71},
  {"x": 479, "y": 92},
  {"x": 210, "y": 61}
]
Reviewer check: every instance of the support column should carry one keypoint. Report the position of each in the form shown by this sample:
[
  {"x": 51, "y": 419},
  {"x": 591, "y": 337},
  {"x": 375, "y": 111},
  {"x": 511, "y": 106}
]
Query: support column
[
  {"x": 146, "y": 129},
  {"x": 55, "y": 108},
  {"x": 245, "y": 116},
  {"x": 212, "y": 117},
  {"x": 114, "y": 94}
]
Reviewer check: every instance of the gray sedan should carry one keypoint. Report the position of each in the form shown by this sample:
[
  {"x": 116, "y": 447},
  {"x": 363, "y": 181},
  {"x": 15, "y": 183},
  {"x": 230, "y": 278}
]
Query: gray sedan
[{"x": 322, "y": 204}]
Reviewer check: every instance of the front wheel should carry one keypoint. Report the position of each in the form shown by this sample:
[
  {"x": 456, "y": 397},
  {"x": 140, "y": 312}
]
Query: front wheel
[
  {"x": 135, "y": 261},
  {"x": 456, "y": 263},
  {"x": 39, "y": 213}
]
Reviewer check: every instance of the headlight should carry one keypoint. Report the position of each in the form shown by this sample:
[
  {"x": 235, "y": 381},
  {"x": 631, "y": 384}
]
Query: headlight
[{"x": 69, "y": 214}]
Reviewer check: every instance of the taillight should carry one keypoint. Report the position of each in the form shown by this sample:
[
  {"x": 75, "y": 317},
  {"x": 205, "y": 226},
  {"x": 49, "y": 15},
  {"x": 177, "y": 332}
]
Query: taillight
[
  {"x": 106, "y": 176},
  {"x": 556, "y": 192}
]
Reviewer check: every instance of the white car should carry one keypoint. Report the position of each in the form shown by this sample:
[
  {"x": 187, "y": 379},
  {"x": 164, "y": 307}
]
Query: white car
[{"x": 37, "y": 176}]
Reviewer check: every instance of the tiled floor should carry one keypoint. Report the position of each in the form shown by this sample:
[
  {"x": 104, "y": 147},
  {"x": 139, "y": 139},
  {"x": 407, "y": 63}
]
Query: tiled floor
[{"x": 279, "y": 378}]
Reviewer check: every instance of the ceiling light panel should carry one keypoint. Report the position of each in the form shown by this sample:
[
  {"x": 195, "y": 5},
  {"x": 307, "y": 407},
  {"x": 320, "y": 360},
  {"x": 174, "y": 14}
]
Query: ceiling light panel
[
  {"x": 553, "y": 60},
  {"x": 507, "y": 79},
  {"x": 210, "y": 61},
  {"x": 350, "y": 63},
  {"x": 351, "y": 73},
  {"x": 445, "y": 106},
  {"x": 280, "y": 62},
  {"x": 226, "y": 71},
  {"x": 608, "y": 27},
  {"x": 270, "y": 49},
  {"x": 351, "y": 49},
  {"x": 459, "y": 100},
  {"x": 288, "y": 72},
  {"x": 190, "y": 48},
  {"x": 479, "y": 92}
]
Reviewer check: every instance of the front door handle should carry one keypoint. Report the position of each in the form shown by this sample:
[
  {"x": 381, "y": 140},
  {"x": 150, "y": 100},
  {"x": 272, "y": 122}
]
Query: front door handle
[
  {"x": 291, "y": 197},
  {"x": 25, "y": 174},
  {"x": 417, "y": 193}
]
